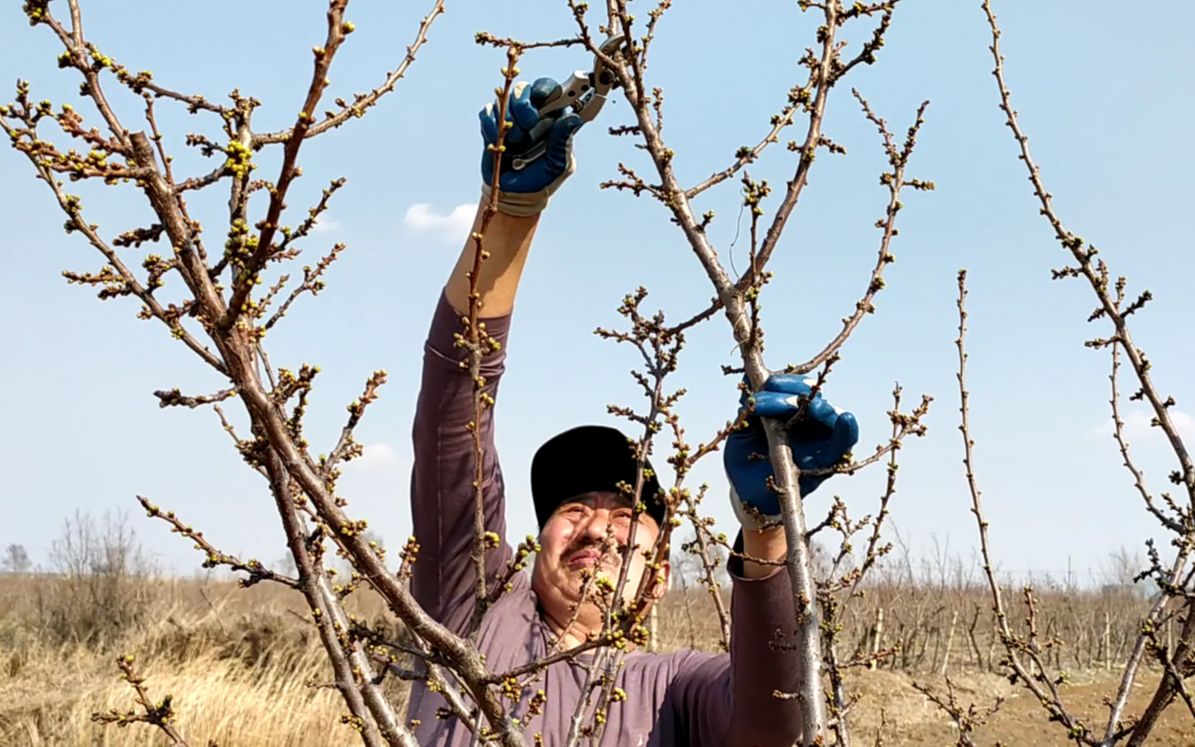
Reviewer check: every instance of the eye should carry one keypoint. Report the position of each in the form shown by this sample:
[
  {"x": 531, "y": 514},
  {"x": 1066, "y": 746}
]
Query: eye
[{"x": 622, "y": 516}]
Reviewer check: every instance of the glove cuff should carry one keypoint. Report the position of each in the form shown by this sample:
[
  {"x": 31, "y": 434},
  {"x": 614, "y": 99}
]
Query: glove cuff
[
  {"x": 748, "y": 516},
  {"x": 525, "y": 204},
  {"x": 519, "y": 204}
]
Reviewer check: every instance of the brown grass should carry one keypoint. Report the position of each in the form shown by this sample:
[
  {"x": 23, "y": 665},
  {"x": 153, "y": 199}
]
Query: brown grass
[{"x": 241, "y": 665}]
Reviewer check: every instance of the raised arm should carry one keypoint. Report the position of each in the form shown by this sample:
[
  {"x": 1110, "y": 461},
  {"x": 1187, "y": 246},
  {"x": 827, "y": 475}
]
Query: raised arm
[
  {"x": 442, "y": 492},
  {"x": 734, "y": 704}
]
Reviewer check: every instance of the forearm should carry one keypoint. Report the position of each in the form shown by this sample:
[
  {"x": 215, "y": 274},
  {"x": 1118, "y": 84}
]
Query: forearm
[
  {"x": 507, "y": 241},
  {"x": 770, "y": 544},
  {"x": 760, "y": 609},
  {"x": 736, "y": 704}
]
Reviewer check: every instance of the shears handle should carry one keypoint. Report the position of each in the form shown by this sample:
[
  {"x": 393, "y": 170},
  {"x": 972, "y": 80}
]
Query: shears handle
[{"x": 574, "y": 92}]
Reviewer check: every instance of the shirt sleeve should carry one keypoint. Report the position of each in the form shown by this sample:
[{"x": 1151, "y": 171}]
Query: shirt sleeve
[
  {"x": 442, "y": 492},
  {"x": 732, "y": 702}
]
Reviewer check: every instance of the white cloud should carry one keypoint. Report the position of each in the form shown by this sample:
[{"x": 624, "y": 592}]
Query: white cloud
[
  {"x": 325, "y": 224},
  {"x": 450, "y": 227},
  {"x": 380, "y": 455}
]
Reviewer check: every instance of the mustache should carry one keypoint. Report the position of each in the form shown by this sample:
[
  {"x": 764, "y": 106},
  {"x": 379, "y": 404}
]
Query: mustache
[{"x": 607, "y": 551}]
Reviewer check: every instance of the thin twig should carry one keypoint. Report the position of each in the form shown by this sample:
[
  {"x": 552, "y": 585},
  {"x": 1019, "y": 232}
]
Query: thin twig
[
  {"x": 362, "y": 102},
  {"x": 1049, "y": 700},
  {"x": 159, "y": 714},
  {"x": 477, "y": 341},
  {"x": 214, "y": 557}
]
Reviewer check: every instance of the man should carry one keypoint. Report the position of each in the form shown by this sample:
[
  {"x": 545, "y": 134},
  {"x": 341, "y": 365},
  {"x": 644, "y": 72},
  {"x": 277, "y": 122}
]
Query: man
[{"x": 682, "y": 698}]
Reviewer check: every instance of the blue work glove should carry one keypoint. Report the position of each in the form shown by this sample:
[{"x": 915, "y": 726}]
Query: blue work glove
[
  {"x": 821, "y": 439},
  {"x": 526, "y": 191}
]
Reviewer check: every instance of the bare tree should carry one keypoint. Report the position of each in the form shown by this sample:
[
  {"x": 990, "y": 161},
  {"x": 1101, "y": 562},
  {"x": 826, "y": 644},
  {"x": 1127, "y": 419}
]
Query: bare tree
[
  {"x": 16, "y": 559},
  {"x": 231, "y": 300},
  {"x": 1028, "y": 648},
  {"x": 100, "y": 584}
]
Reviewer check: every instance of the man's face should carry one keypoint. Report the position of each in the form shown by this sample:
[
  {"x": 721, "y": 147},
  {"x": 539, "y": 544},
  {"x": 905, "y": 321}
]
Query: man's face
[{"x": 585, "y": 536}]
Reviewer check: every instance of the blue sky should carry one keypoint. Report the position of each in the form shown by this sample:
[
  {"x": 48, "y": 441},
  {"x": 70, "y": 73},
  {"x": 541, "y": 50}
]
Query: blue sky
[{"x": 1102, "y": 96}]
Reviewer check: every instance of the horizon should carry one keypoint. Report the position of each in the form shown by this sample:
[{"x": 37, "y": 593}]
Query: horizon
[{"x": 82, "y": 430}]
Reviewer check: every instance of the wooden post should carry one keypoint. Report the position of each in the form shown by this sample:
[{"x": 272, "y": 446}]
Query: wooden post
[
  {"x": 877, "y": 632},
  {"x": 949, "y": 642},
  {"x": 1107, "y": 641}
]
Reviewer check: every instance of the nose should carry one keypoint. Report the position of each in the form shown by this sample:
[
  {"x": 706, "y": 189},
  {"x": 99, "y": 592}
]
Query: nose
[{"x": 595, "y": 529}]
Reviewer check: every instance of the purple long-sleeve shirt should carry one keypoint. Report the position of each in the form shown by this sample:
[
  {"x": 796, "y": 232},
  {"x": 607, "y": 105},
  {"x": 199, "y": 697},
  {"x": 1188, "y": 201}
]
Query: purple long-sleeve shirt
[{"x": 680, "y": 698}]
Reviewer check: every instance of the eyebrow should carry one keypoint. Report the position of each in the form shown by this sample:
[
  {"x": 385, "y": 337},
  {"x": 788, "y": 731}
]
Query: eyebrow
[{"x": 589, "y": 499}]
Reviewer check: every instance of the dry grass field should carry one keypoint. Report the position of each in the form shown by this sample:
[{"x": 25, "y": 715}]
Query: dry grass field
[{"x": 244, "y": 668}]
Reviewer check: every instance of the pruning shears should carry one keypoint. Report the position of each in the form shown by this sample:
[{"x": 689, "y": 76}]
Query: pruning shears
[{"x": 584, "y": 91}]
